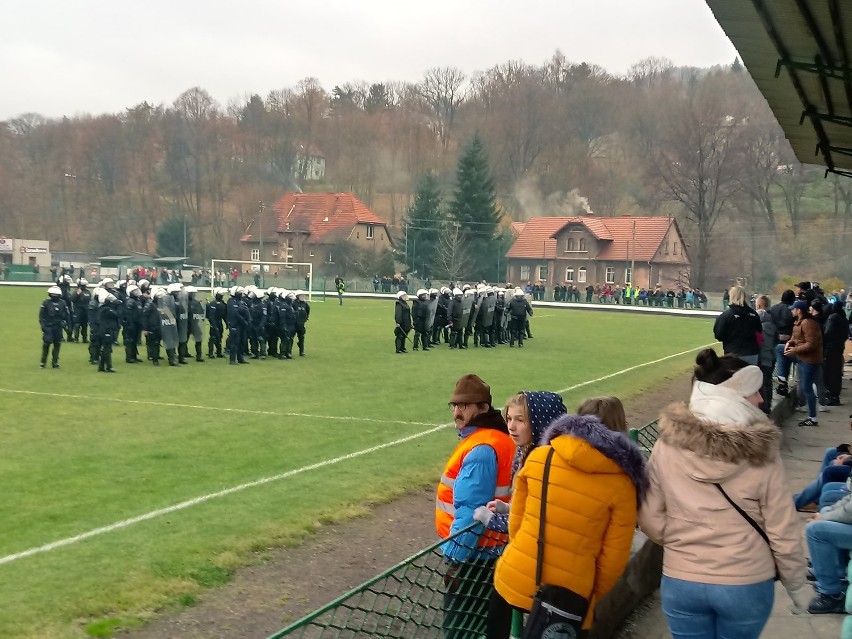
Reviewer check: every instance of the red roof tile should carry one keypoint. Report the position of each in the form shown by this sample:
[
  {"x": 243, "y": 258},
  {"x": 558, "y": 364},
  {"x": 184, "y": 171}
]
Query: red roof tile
[
  {"x": 537, "y": 238},
  {"x": 325, "y": 217}
]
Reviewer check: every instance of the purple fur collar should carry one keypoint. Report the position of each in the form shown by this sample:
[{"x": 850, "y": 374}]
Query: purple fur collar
[{"x": 615, "y": 446}]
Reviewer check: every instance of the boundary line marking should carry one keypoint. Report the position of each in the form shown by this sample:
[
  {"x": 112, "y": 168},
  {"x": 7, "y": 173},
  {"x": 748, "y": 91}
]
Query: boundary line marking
[
  {"x": 266, "y": 480},
  {"x": 215, "y": 408},
  {"x": 633, "y": 368}
]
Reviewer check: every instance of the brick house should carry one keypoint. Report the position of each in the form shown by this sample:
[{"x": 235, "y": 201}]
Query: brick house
[
  {"x": 310, "y": 227},
  {"x": 593, "y": 250}
]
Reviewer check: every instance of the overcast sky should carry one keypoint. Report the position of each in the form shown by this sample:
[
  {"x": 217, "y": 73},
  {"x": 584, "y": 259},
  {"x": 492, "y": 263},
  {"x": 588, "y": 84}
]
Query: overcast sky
[{"x": 95, "y": 56}]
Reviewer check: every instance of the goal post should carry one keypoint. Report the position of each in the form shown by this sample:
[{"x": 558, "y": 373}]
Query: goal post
[{"x": 289, "y": 275}]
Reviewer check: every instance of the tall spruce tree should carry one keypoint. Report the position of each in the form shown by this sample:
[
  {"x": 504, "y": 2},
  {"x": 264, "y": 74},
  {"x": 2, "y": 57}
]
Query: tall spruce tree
[
  {"x": 474, "y": 206},
  {"x": 424, "y": 224}
]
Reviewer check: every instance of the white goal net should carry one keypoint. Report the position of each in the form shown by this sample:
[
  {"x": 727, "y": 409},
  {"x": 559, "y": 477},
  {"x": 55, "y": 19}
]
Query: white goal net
[{"x": 289, "y": 275}]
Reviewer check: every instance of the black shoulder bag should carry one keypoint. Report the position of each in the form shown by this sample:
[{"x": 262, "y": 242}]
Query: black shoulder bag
[
  {"x": 754, "y": 524},
  {"x": 557, "y": 612}
]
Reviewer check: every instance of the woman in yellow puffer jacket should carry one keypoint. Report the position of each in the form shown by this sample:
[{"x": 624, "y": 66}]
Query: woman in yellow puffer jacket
[{"x": 597, "y": 478}]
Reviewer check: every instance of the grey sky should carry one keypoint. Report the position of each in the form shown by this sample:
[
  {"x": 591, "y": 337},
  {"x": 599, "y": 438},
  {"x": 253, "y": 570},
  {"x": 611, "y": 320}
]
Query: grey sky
[{"x": 96, "y": 56}]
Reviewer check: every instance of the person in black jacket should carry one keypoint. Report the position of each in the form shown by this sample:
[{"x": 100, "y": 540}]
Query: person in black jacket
[
  {"x": 402, "y": 317},
  {"x": 132, "y": 325},
  {"x": 286, "y": 324},
  {"x": 53, "y": 317},
  {"x": 257, "y": 325},
  {"x": 272, "y": 322},
  {"x": 195, "y": 310},
  {"x": 303, "y": 314},
  {"x": 237, "y": 326},
  {"x": 215, "y": 313},
  {"x": 151, "y": 325},
  {"x": 420, "y": 316},
  {"x": 108, "y": 323},
  {"x": 439, "y": 327},
  {"x": 782, "y": 316},
  {"x": 80, "y": 301},
  {"x": 519, "y": 309},
  {"x": 739, "y": 328},
  {"x": 835, "y": 334}
]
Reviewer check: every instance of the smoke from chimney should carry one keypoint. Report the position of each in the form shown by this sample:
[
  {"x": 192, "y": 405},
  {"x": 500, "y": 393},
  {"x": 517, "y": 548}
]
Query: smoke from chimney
[{"x": 558, "y": 204}]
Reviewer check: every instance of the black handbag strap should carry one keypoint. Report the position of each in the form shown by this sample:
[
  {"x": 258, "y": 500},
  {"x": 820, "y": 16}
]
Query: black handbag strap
[
  {"x": 544, "y": 482},
  {"x": 745, "y": 515}
]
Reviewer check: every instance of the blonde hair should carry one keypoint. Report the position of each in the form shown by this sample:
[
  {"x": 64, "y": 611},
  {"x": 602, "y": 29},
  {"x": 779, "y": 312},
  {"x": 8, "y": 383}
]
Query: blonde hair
[
  {"x": 517, "y": 400},
  {"x": 609, "y": 410},
  {"x": 737, "y": 295}
]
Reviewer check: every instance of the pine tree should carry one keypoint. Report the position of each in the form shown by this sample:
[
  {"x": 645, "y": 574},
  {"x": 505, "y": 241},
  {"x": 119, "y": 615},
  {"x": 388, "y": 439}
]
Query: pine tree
[
  {"x": 474, "y": 206},
  {"x": 424, "y": 224}
]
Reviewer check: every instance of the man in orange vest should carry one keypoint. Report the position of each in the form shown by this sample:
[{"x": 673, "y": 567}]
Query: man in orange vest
[{"x": 478, "y": 471}]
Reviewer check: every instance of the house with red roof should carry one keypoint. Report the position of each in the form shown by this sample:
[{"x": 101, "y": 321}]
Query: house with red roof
[
  {"x": 311, "y": 227},
  {"x": 584, "y": 250}
]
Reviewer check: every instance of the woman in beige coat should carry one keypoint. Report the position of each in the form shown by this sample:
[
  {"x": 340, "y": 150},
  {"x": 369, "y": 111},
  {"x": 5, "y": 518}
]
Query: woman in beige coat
[{"x": 718, "y": 571}]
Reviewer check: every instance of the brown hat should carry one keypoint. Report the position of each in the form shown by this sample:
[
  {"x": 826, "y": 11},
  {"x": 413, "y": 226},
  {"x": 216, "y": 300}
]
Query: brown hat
[{"x": 470, "y": 389}]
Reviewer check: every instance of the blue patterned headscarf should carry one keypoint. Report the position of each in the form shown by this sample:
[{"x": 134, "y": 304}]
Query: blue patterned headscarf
[{"x": 542, "y": 407}]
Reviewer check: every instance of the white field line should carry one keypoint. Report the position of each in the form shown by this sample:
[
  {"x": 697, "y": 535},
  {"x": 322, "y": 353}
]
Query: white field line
[
  {"x": 200, "y": 500},
  {"x": 229, "y": 491},
  {"x": 633, "y": 368},
  {"x": 348, "y": 418}
]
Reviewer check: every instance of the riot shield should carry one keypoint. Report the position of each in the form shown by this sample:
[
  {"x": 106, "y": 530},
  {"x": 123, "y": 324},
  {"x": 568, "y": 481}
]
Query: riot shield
[
  {"x": 182, "y": 315},
  {"x": 430, "y": 318},
  {"x": 454, "y": 311},
  {"x": 466, "y": 307},
  {"x": 168, "y": 321},
  {"x": 196, "y": 324},
  {"x": 474, "y": 311},
  {"x": 486, "y": 312}
]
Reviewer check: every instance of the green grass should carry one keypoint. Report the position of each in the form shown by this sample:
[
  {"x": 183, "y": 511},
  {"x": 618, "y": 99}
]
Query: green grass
[{"x": 91, "y": 449}]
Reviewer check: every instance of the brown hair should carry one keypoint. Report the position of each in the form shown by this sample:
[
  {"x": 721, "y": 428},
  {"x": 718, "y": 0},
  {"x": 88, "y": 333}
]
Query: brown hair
[
  {"x": 764, "y": 301},
  {"x": 517, "y": 400},
  {"x": 711, "y": 368},
  {"x": 609, "y": 410}
]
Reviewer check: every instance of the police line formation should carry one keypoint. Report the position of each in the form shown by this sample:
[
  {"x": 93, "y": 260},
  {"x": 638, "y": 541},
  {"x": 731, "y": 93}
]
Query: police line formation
[
  {"x": 455, "y": 314},
  {"x": 260, "y": 323}
]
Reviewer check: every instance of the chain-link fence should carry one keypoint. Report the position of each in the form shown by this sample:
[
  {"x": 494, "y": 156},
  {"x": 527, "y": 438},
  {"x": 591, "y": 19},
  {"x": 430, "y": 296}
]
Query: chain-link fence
[
  {"x": 423, "y": 597},
  {"x": 645, "y": 437}
]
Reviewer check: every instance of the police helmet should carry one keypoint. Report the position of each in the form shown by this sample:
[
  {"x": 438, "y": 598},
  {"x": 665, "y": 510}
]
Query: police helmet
[
  {"x": 519, "y": 292},
  {"x": 239, "y": 291},
  {"x": 402, "y": 295},
  {"x": 143, "y": 284},
  {"x": 233, "y": 290},
  {"x": 82, "y": 283},
  {"x": 457, "y": 292},
  {"x": 174, "y": 287},
  {"x": 465, "y": 287},
  {"x": 283, "y": 292},
  {"x": 480, "y": 289},
  {"x": 422, "y": 291},
  {"x": 54, "y": 290},
  {"x": 433, "y": 291},
  {"x": 252, "y": 293},
  {"x": 272, "y": 291},
  {"x": 219, "y": 292},
  {"x": 469, "y": 292},
  {"x": 291, "y": 295},
  {"x": 110, "y": 298},
  {"x": 159, "y": 292},
  {"x": 444, "y": 289},
  {"x": 299, "y": 292},
  {"x": 133, "y": 290},
  {"x": 102, "y": 295},
  {"x": 108, "y": 282},
  {"x": 489, "y": 290},
  {"x": 66, "y": 279}
]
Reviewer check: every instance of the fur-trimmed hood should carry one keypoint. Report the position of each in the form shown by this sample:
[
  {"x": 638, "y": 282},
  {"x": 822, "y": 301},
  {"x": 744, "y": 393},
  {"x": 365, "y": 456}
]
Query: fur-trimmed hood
[
  {"x": 718, "y": 448},
  {"x": 614, "y": 446}
]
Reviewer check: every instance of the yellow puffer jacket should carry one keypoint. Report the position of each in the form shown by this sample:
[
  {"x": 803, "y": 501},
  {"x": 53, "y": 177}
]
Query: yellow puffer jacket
[{"x": 590, "y": 518}]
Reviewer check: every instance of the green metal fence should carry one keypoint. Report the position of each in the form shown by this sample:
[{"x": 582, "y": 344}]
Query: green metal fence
[
  {"x": 645, "y": 437},
  {"x": 421, "y": 597}
]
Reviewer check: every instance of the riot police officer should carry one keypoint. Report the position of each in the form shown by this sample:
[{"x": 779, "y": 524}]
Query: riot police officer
[
  {"x": 215, "y": 312},
  {"x": 175, "y": 289},
  {"x": 519, "y": 309},
  {"x": 94, "y": 326},
  {"x": 257, "y": 325},
  {"x": 272, "y": 321},
  {"x": 64, "y": 284},
  {"x": 80, "y": 302},
  {"x": 237, "y": 326},
  {"x": 420, "y": 316},
  {"x": 108, "y": 323},
  {"x": 402, "y": 317},
  {"x": 303, "y": 314},
  {"x": 439, "y": 327},
  {"x": 151, "y": 324},
  {"x": 132, "y": 324},
  {"x": 53, "y": 316},
  {"x": 286, "y": 323}
]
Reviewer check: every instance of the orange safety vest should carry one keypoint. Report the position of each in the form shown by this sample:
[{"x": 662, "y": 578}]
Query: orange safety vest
[{"x": 504, "y": 447}]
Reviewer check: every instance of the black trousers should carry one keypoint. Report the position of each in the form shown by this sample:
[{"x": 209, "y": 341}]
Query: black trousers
[
  {"x": 467, "y": 599},
  {"x": 832, "y": 373}
]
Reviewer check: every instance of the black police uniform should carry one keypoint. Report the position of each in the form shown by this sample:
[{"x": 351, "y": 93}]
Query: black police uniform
[
  {"x": 286, "y": 327},
  {"x": 402, "y": 317},
  {"x": 303, "y": 314},
  {"x": 80, "y": 302},
  {"x": 132, "y": 329},
  {"x": 108, "y": 324},
  {"x": 53, "y": 316}
]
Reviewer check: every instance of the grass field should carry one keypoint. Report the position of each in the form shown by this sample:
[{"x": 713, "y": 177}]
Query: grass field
[{"x": 84, "y": 450}]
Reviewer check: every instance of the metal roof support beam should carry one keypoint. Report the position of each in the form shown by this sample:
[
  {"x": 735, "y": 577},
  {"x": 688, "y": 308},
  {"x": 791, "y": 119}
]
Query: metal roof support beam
[
  {"x": 840, "y": 41},
  {"x": 824, "y": 56},
  {"x": 827, "y": 117},
  {"x": 834, "y": 73},
  {"x": 766, "y": 18}
]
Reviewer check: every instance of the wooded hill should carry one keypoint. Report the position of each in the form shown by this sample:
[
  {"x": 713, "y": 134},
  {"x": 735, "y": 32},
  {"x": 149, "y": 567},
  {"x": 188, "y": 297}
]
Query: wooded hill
[{"x": 561, "y": 138}]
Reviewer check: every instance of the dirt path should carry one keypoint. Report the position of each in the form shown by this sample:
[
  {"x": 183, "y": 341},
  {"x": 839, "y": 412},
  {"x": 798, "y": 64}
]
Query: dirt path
[{"x": 292, "y": 582}]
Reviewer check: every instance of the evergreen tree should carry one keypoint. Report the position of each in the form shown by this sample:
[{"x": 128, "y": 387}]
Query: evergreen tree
[
  {"x": 424, "y": 224},
  {"x": 170, "y": 237},
  {"x": 474, "y": 206}
]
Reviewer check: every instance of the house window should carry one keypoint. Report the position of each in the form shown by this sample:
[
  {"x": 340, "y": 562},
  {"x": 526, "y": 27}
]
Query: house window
[
  {"x": 674, "y": 248},
  {"x": 570, "y": 246},
  {"x": 369, "y": 231},
  {"x": 330, "y": 258},
  {"x": 255, "y": 255},
  {"x": 582, "y": 244},
  {"x": 311, "y": 254},
  {"x": 525, "y": 273},
  {"x": 628, "y": 275},
  {"x": 610, "y": 275},
  {"x": 569, "y": 274},
  {"x": 667, "y": 248},
  {"x": 581, "y": 274},
  {"x": 357, "y": 235},
  {"x": 542, "y": 273},
  {"x": 382, "y": 236}
]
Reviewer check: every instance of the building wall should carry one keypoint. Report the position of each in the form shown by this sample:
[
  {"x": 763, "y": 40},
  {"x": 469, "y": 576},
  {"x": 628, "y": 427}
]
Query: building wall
[{"x": 25, "y": 252}]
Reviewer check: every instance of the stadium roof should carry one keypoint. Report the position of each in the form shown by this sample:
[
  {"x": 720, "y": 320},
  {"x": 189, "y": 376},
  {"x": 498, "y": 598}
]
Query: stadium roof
[{"x": 798, "y": 53}]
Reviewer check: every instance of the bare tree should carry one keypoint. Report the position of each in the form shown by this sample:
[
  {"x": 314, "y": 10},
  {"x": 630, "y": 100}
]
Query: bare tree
[
  {"x": 442, "y": 91},
  {"x": 453, "y": 258}
]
